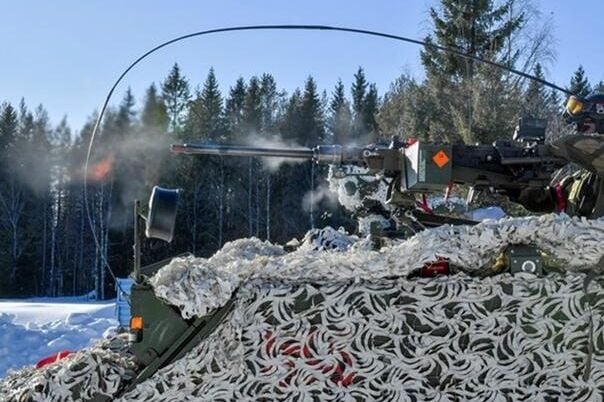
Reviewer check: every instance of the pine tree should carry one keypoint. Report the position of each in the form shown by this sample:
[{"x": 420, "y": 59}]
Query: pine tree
[
  {"x": 579, "y": 84},
  {"x": 340, "y": 119},
  {"x": 176, "y": 95}
]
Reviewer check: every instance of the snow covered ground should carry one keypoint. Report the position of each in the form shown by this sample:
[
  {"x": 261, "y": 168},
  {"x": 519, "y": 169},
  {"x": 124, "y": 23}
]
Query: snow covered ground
[{"x": 31, "y": 329}]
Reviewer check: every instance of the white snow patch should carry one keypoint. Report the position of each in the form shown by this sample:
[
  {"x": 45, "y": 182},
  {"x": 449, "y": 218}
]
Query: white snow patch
[
  {"x": 481, "y": 214},
  {"x": 327, "y": 239},
  {"x": 31, "y": 330},
  {"x": 349, "y": 187}
]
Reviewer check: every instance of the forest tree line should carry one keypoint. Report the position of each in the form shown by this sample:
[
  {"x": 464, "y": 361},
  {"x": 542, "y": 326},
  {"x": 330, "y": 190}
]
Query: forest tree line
[{"x": 46, "y": 242}]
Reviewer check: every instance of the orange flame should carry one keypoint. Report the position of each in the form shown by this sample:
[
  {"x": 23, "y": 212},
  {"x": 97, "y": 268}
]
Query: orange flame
[{"x": 100, "y": 170}]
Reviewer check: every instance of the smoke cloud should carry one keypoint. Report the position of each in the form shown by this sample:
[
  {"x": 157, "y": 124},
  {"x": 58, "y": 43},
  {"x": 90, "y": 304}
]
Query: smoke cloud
[
  {"x": 272, "y": 141},
  {"x": 322, "y": 194}
]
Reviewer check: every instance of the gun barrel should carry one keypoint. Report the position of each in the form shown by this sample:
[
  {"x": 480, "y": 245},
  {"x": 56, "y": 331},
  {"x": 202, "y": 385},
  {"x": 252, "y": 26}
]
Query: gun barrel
[
  {"x": 322, "y": 154},
  {"x": 238, "y": 150}
]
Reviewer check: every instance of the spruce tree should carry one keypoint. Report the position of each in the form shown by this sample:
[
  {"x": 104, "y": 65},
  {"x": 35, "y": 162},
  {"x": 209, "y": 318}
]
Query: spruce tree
[
  {"x": 209, "y": 106},
  {"x": 579, "y": 84},
  {"x": 176, "y": 95},
  {"x": 290, "y": 125},
  {"x": 311, "y": 115},
  {"x": 252, "y": 106},
  {"x": 477, "y": 27},
  {"x": 26, "y": 120},
  {"x": 536, "y": 97},
  {"x": 269, "y": 102},
  {"x": 126, "y": 114},
  {"x": 62, "y": 136},
  {"x": 370, "y": 110},
  {"x": 461, "y": 93},
  {"x": 554, "y": 103},
  {"x": 359, "y": 88},
  {"x": 8, "y": 126},
  {"x": 234, "y": 108},
  {"x": 340, "y": 119},
  {"x": 154, "y": 115}
]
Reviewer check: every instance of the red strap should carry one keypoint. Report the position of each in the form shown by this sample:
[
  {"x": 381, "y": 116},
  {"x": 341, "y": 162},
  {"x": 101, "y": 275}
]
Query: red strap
[
  {"x": 53, "y": 358},
  {"x": 560, "y": 198},
  {"x": 423, "y": 205}
]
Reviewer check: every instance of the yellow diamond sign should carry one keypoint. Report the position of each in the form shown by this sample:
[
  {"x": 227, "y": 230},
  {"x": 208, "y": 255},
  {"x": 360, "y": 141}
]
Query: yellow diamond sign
[{"x": 440, "y": 158}]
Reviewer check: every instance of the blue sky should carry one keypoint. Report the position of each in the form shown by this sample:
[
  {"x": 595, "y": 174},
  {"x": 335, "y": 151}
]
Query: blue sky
[{"x": 65, "y": 54}]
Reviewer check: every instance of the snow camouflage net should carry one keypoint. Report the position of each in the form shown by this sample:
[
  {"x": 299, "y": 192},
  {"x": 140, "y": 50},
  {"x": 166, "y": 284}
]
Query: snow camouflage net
[
  {"x": 504, "y": 338},
  {"x": 351, "y": 325},
  {"x": 103, "y": 369},
  {"x": 197, "y": 285}
]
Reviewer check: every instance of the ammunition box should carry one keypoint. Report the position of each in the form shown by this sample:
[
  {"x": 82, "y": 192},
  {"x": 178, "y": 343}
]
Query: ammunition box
[
  {"x": 523, "y": 258},
  {"x": 428, "y": 167}
]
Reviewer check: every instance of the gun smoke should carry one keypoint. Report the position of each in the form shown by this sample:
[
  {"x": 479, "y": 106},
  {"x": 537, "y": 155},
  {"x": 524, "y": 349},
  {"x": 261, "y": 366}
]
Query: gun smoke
[
  {"x": 322, "y": 195},
  {"x": 274, "y": 140}
]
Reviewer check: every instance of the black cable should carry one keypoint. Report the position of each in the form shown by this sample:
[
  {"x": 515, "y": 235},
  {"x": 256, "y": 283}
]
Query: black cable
[{"x": 273, "y": 27}]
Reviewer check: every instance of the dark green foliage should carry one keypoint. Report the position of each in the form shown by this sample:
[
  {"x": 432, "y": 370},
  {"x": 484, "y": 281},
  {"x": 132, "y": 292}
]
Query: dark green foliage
[
  {"x": 205, "y": 117},
  {"x": 252, "y": 113},
  {"x": 579, "y": 84},
  {"x": 340, "y": 121},
  {"x": 234, "y": 108},
  {"x": 311, "y": 124},
  {"x": 478, "y": 27},
  {"x": 365, "y": 103},
  {"x": 154, "y": 114},
  {"x": 536, "y": 98},
  {"x": 464, "y": 100},
  {"x": 269, "y": 103},
  {"x": 8, "y": 125},
  {"x": 358, "y": 92},
  {"x": 176, "y": 95},
  {"x": 370, "y": 109}
]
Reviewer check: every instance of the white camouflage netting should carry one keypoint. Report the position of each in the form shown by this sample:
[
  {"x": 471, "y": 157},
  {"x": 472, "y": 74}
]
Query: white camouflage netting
[
  {"x": 444, "y": 339},
  {"x": 349, "y": 325},
  {"x": 103, "y": 369},
  {"x": 197, "y": 285}
]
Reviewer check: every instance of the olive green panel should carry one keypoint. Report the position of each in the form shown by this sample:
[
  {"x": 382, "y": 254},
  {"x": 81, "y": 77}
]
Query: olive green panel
[
  {"x": 428, "y": 167},
  {"x": 162, "y": 324}
]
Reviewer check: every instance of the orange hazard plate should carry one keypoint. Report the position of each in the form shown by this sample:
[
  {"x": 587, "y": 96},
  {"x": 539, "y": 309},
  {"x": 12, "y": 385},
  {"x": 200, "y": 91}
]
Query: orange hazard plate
[{"x": 440, "y": 158}]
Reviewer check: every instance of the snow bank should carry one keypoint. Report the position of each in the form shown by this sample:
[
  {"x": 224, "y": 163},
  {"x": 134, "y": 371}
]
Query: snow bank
[
  {"x": 198, "y": 285},
  {"x": 32, "y": 330}
]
